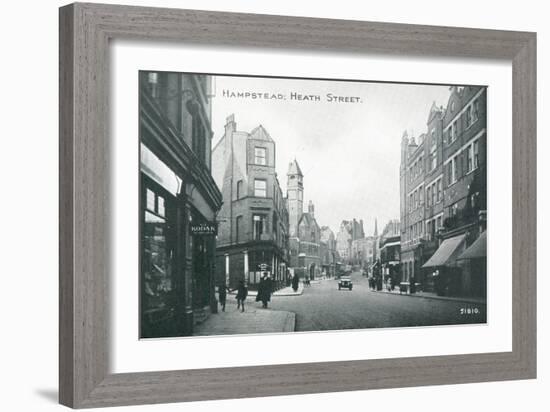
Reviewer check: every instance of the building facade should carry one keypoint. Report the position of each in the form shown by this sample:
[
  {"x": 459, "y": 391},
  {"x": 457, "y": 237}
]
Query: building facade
[
  {"x": 178, "y": 204},
  {"x": 390, "y": 251},
  {"x": 305, "y": 233},
  {"x": 329, "y": 255},
  {"x": 253, "y": 221},
  {"x": 350, "y": 241},
  {"x": 443, "y": 195},
  {"x": 343, "y": 242},
  {"x": 309, "y": 243},
  {"x": 465, "y": 191},
  {"x": 412, "y": 207}
]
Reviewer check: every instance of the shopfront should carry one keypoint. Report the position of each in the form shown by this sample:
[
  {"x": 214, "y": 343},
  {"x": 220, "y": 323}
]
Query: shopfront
[
  {"x": 178, "y": 203},
  {"x": 177, "y": 263}
]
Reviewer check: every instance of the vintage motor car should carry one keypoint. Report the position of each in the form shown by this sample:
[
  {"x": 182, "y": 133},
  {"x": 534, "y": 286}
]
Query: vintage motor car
[{"x": 345, "y": 283}]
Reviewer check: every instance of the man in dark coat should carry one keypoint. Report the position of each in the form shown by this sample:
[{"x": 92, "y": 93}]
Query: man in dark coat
[{"x": 264, "y": 291}]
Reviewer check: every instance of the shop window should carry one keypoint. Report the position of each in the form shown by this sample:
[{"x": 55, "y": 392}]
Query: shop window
[
  {"x": 150, "y": 200},
  {"x": 202, "y": 256},
  {"x": 157, "y": 253},
  {"x": 160, "y": 206}
]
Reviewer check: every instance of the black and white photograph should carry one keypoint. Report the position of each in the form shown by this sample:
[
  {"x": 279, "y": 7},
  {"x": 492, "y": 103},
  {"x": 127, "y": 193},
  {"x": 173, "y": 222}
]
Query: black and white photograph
[{"x": 283, "y": 205}]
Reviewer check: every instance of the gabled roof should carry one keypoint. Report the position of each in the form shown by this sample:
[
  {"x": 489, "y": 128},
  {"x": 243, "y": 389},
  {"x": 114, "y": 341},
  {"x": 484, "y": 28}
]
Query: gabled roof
[
  {"x": 259, "y": 133},
  {"x": 433, "y": 111},
  {"x": 294, "y": 168},
  {"x": 308, "y": 219}
]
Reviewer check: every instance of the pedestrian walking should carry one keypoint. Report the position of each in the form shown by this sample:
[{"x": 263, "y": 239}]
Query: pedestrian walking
[
  {"x": 222, "y": 295},
  {"x": 242, "y": 293},
  {"x": 295, "y": 282},
  {"x": 264, "y": 291}
]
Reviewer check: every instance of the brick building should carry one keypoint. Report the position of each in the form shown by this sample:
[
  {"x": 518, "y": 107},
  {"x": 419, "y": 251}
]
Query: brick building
[
  {"x": 443, "y": 195},
  {"x": 253, "y": 221}
]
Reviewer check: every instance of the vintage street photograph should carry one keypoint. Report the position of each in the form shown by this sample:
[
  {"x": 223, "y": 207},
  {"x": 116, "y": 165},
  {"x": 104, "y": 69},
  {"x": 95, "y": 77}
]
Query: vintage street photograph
[{"x": 282, "y": 205}]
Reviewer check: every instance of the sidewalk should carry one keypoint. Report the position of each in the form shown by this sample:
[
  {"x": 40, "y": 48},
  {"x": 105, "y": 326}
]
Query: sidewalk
[
  {"x": 253, "y": 320},
  {"x": 430, "y": 295},
  {"x": 288, "y": 291}
]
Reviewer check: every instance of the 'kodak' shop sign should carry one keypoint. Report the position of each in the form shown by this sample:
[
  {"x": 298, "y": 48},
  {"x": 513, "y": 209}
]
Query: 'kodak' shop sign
[{"x": 203, "y": 229}]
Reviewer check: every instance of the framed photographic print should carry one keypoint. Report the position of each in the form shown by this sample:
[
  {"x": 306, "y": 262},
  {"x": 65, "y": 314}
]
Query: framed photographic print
[{"x": 322, "y": 205}]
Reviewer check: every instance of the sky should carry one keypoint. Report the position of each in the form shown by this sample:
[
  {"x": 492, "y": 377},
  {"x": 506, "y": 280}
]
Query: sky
[{"x": 349, "y": 151}]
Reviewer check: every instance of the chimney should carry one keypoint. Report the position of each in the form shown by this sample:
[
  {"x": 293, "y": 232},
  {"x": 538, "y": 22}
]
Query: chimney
[
  {"x": 311, "y": 209},
  {"x": 230, "y": 125}
]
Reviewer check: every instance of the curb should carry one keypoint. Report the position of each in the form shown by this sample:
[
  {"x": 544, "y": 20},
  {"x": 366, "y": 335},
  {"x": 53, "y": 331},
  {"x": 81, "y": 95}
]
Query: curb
[
  {"x": 299, "y": 292},
  {"x": 277, "y": 293},
  {"x": 452, "y": 299}
]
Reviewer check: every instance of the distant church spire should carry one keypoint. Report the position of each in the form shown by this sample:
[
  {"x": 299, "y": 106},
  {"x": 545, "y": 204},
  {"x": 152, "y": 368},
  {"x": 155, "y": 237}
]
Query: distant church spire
[{"x": 375, "y": 227}]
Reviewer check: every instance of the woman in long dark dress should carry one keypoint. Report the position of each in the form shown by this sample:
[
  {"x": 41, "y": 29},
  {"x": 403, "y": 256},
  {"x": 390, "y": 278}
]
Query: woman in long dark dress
[
  {"x": 242, "y": 293},
  {"x": 295, "y": 281}
]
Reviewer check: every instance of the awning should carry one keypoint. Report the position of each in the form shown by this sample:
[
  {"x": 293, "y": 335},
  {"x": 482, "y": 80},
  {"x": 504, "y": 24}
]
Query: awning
[
  {"x": 390, "y": 244},
  {"x": 446, "y": 253},
  {"x": 478, "y": 249}
]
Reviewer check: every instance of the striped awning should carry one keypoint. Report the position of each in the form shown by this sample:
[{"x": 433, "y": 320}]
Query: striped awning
[
  {"x": 447, "y": 252},
  {"x": 477, "y": 250}
]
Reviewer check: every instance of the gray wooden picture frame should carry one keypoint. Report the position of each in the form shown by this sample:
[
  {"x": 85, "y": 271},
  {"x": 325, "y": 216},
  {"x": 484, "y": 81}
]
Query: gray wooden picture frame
[{"x": 85, "y": 32}]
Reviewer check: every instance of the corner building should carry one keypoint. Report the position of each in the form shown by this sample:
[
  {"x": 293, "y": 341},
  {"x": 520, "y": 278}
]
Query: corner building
[{"x": 253, "y": 221}]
